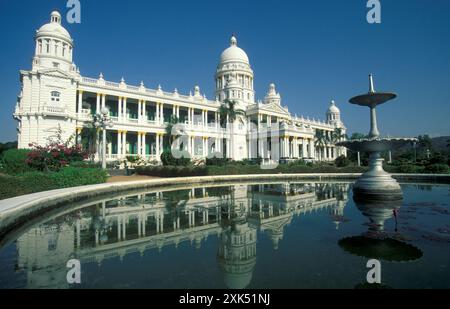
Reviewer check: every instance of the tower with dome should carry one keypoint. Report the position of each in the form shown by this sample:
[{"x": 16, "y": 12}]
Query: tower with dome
[{"x": 56, "y": 97}]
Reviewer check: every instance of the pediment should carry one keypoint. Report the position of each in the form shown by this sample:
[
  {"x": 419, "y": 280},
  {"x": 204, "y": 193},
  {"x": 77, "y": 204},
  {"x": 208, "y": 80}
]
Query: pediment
[
  {"x": 275, "y": 108},
  {"x": 56, "y": 73}
]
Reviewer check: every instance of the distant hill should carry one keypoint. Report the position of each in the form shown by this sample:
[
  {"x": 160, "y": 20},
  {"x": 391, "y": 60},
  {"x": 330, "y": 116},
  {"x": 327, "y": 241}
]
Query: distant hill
[{"x": 440, "y": 143}]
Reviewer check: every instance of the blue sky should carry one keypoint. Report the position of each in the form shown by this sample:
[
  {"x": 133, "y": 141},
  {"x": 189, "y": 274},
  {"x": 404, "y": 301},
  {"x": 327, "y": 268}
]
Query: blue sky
[{"x": 314, "y": 51}]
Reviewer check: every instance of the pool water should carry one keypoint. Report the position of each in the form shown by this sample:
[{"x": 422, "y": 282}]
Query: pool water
[{"x": 267, "y": 235}]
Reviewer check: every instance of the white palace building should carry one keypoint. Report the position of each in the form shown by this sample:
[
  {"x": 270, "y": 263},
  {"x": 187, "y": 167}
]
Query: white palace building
[{"x": 56, "y": 97}]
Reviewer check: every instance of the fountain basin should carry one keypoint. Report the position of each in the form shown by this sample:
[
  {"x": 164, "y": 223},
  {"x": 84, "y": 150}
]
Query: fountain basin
[
  {"x": 376, "y": 145},
  {"x": 373, "y": 98}
]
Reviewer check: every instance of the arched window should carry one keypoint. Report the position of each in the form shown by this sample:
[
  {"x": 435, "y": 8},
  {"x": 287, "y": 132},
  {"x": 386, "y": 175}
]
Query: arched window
[{"x": 55, "y": 96}]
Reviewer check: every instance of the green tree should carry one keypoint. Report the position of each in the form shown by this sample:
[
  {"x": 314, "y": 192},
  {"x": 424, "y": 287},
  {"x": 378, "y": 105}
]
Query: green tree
[
  {"x": 321, "y": 141},
  {"x": 338, "y": 135},
  {"x": 89, "y": 140},
  {"x": 425, "y": 143},
  {"x": 356, "y": 136},
  {"x": 228, "y": 111}
]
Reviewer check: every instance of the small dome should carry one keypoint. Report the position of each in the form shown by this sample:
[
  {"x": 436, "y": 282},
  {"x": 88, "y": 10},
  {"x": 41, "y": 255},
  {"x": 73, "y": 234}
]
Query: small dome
[
  {"x": 272, "y": 95},
  {"x": 54, "y": 28},
  {"x": 333, "y": 109},
  {"x": 234, "y": 53}
]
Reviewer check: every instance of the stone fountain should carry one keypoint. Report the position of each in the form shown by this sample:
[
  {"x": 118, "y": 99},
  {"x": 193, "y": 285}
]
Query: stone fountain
[{"x": 376, "y": 183}]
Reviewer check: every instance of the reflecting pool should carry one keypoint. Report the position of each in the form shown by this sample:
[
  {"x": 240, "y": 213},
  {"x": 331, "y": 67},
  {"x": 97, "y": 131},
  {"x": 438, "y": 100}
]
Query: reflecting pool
[{"x": 266, "y": 235}]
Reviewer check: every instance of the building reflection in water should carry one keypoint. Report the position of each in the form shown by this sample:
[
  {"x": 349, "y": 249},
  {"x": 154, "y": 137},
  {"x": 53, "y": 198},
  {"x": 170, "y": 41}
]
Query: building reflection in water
[{"x": 153, "y": 220}]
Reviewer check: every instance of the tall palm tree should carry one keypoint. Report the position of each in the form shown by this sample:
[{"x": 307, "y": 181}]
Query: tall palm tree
[
  {"x": 320, "y": 142},
  {"x": 229, "y": 112},
  {"x": 338, "y": 135}
]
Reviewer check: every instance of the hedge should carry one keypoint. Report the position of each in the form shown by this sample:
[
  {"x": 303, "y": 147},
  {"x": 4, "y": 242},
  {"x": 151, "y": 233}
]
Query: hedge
[
  {"x": 32, "y": 182},
  {"x": 172, "y": 171},
  {"x": 239, "y": 169}
]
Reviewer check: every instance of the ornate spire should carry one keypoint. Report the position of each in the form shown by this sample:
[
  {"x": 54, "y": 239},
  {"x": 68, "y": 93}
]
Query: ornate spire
[
  {"x": 371, "y": 86},
  {"x": 233, "y": 40}
]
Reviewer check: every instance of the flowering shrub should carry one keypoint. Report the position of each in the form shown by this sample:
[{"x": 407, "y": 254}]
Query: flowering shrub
[{"x": 54, "y": 156}]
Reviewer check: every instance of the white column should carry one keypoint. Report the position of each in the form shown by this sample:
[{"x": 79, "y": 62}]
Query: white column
[
  {"x": 80, "y": 101},
  {"x": 286, "y": 147},
  {"x": 97, "y": 106},
  {"x": 119, "y": 109},
  {"x": 124, "y": 112},
  {"x": 158, "y": 154},
  {"x": 139, "y": 140},
  {"x": 103, "y": 101},
  {"x": 178, "y": 112},
  {"x": 294, "y": 148},
  {"x": 312, "y": 149},
  {"x": 124, "y": 143},
  {"x": 144, "y": 148},
  {"x": 162, "y": 113},
  {"x": 119, "y": 144},
  {"x": 144, "y": 111},
  {"x": 157, "y": 113},
  {"x": 304, "y": 148},
  {"x": 139, "y": 113}
]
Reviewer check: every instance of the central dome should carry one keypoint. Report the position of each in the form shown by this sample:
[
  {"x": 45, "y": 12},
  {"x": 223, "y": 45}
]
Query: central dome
[
  {"x": 54, "y": 28},
  {"x": 234, "y": 53}
]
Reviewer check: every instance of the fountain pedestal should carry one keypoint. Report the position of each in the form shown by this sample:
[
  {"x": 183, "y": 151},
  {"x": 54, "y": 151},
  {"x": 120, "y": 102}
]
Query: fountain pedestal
[{"x": 375, "y": 184}]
